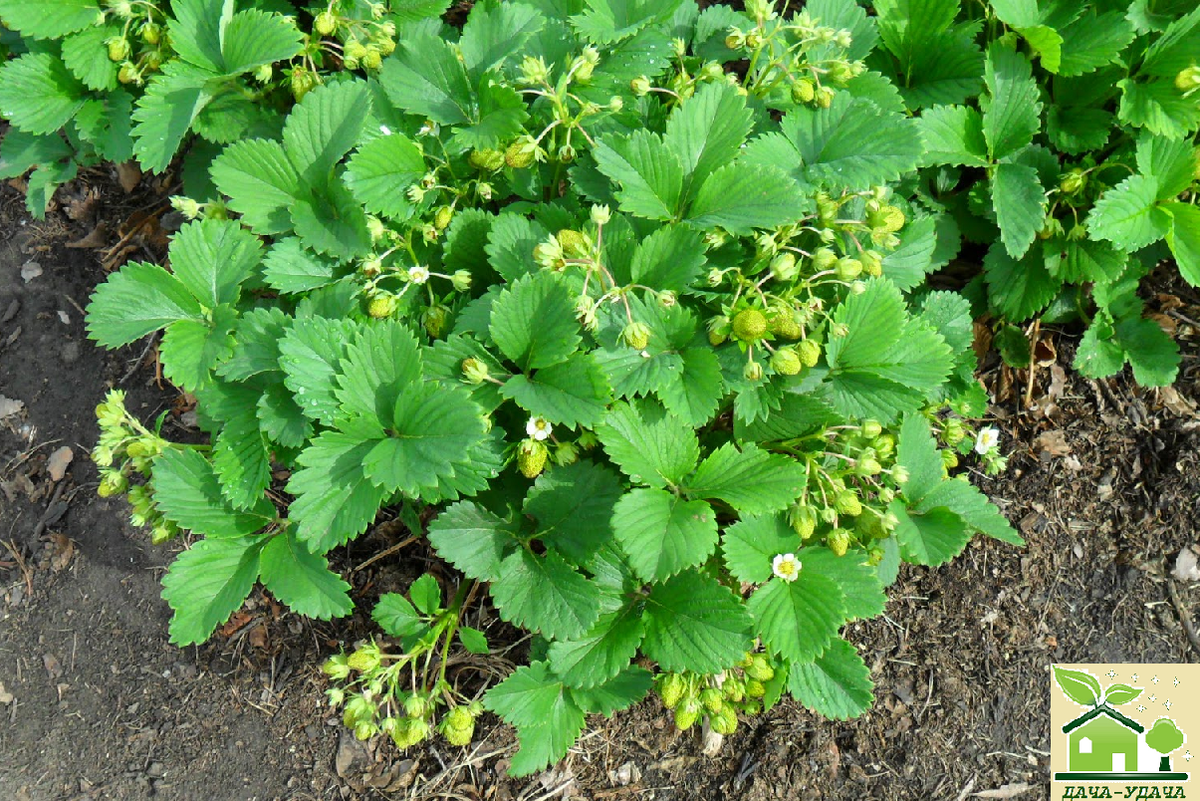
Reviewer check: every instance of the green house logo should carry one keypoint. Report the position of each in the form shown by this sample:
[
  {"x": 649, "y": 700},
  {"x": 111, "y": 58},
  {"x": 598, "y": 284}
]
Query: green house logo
[{"x": 1104, "y": 743}]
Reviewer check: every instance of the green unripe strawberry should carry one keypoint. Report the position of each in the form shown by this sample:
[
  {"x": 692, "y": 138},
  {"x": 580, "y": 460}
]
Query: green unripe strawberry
[
  {"x": 372, "y": 59},
  {"x": 838, "y": 541},
  {"x": 365, "y": 730},
  {"x": 573, "y": 242},
  {"x": 302, "y": 81},
  {"x": 442, "y": 217},
  {"x": 151, "y": 33},
  {"x": 112, "y": 483},
  {"x": 636, "y": 335},
  {"x": 640, "y": 86},
  {"x": 381, "y": 306},
  {"x": 825, "y": 95},
  {"x": 803, "y": 520},
  {"x": 760, "y": 668},
  {"x": 871, "y": 429},
  {"x": 949, "y": 459},
  {"x": 868, "y": 467},
  {"x": 749, "y": 325},
  {"x": 118, "y": 48},
  {"x": 803, "y": 91},
  {"x": 1188, "y": 79},
  {"x": 671, "y": 689},
  {"x": 809, "y": 352},
  {"x": 723, "y": 721},
  {"x": 325, "y": 23},
  {"x": 1073, "y": 182},
  {"x": 487, "y": 159},
  {"x": 847, "y": 503},
  {"x": 874, "y": 556},
  {"x": 785, "y": 362},
  {"x": 734, "y": 689},
  {"x": 784, "y": 324},
  {"x": 458, "y": 726},
  {"x": 847, "y": 269},
  {"x": 128, "y": 74},
  {"x": 953, "y": 431},
  {"x": 824, "y": 258},
  {"x": 686, "y": 714},
  {"x": 434, "y": 320},
  {"x": 164, "y": 533},
  {"x": 712, "y": 699},
  {"x": 872, "y": 263},
  {"x": 784, "y": 267},
  {"x": 531, "y": 457},
  {"x": 755, "y": 688},
  {"x": 519, "y": 154}
]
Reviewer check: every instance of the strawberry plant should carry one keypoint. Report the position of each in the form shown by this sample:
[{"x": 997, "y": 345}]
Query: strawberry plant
[
  {"x": 623, "y": 293},
  {"x": 1060, "y": 137}
]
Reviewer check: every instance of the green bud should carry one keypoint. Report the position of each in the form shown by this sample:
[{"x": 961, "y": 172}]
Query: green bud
[
  {"x": 442, "y": 217},
  {"x": 871, "y": 429},
  {"x": 600, "y": 215},
  {"x": 636, "y": 335},
  {"x": 434, "y": 320},
  {"x": 640, "y": 86},
  {"x": 365, "y": 659},
  {"x": 847, "y": 269},
  {"x": 900, "y": 474},
  {"x": 381, "y": 306},
  {"x": 760, "y": 668},
  {"x": 874, "y": 556},
  {"x": 784, "y": 267},
  {"x": 953, "y": 431},
  {"x": 417, "y": 706},
  {"x": 112, "y": 483},
  {"x": 336, "y": 667},
  {"x": 461, "y": 280},
  {"x": 872, "y": 263},
  {"x": 1188, "y": 79},
  {"x": 753, "y": 371},
  {"x": 949, "y": 459},
  {"x": 163, "y": 533},
  {"x": 1073, "y": 182},
  {"x": 868, "y": 467},
  {"x": 736, "y": 40}
]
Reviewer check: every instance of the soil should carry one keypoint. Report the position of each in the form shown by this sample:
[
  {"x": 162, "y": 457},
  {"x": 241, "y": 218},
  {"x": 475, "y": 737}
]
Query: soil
[{"x": 95, "y": 704}]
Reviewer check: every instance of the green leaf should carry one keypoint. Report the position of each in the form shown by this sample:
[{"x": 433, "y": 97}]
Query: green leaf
[
  {"x": 382, "y": 361},
  {"x": 212, "y": 258},
  {"x": 309, "y": 354},
  {"x": 430, "y": 431},
  {"x": 501, "y": 118},
  {"x": 289, "y": 267},
  {"x": 707, "y": 132},
  {"x": 208, "y": 583},
  {"x": 426, "y": 594},
  {"x": 1098, "y": 356},
  {"x": 1184, "y": 239},
  {"x": 510, "y": 245},
  {"x": 106, "y": 125},
  {"x": 396, "y": 616},
  {"x": 859, "y": 581},
  {"x": 571, "y": 393},
  {"x": 933, "y": 538},
  {"x": 545, "y": 594},
  {"x": 261, "y": 184},
  {"x": 472, "y": 539},
  {"x": 1046, "y": 44},
  {"x": 670, "y": 258},
  {"x": 694, "y": 398},
  {"x": 741, "y": 197},
  {"x": 972, "y": 506},
  {"x": 323, "y": 127},
  {"x": 1118, "y": 694},
  {"x": 474, "y": 640},
  {"x": 749, "y": 545},
  {"x": 335, "y": 502},
  {"x": 837, "y": 685},
  {"x": 798, "y": 619},
  {"x": 1019, "y": 202},
  {"x": 650, "y": 174},
  {"x": 86, "y": 55},
  {"x": 694, "y": 623},
  {"x": 425, "y": 77},
  {"x": 1011, "y": 119},
  {"x": 20, "y": 151},
  {"x": 750, "y": 480},
  {"x": 1150, "y": 350},
  {"x": 908, "y": 26},
  {"x": 165, "y": 113},
  {"x": 1176, "y": 49},
  {"x": 953, "y": 135},
  {"x": 191, "y": 349},
  {"x": 547, "y": 719},
  {"x": 257, "y": 335},
  {"x": 417, "y": 10},
  {"x": 331, "y": 221},
  {"x": 573, "y": 507},
  {"x": 196, "y": 30},
  {"x": 1127, "y": 214},
  {"x": 917, "y": 453},
  {"x": 600, "y": 654},
  {"x": 1159, "y": 107},
  {"x": 187, "y": 492},
  {"x": 254, "y": 38},
  {"x": 241, "y": 459},
  {"x": 650, "y": 446},
  {"x": 303, "y": 580},
  {"x": 1093, "y": 41},
  {"x": 662, "y": 533},
  {"x": 1171, "y": 161},
  {"x": 853, "y": 144},
  {"x": 1089, "y": 260},
  {"x": 137, "y": 299},
  {"x": 38, "y": 94},
  {"x": 1078, "y": 130},
  {"x": 493, "y": 34},
  {"x": 1018, "y": 289},
  {"x": 533, "y": 321},
  {"x": 1079, "y": 685},
  {"x": 48, "y": 19}
]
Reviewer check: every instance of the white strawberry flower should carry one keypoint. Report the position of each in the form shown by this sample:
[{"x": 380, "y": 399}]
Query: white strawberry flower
[
  {"x": 986, "y": 440},
  {"x": 538, "y": 428},
  {"x": 786, "y": 566},
  {"x": 418, "y": 275}
]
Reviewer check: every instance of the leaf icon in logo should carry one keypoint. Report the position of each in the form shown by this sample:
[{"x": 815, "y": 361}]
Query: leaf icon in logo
[
  {"x": 1118, "y": 694},
  {"x": 1080, "y": 686}
]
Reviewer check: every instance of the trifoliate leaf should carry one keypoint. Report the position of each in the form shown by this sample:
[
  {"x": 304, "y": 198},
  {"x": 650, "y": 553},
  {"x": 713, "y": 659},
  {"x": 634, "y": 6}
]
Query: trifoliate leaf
[
  {"x": 106, "y": 125},
  {"x": 396, "y": 616},
  {"x": 329, "y": 220},
  {"x": 649, "y": 173},
  {"x": 908, "y": 264},
  {"x": 1078, "y": 130},
  {"x": 670, "y": 258},
  {"x": 600, "y": 654},
  {"x": 1171, "y": 161},
  {"x": 381, "y": 172},
  {"x": 694, "y": 398},
  {"x": 261, "y": 184},
  {"x": 1098, "y": 356},
  {"x": 1093, "y": 41},
  {"x": 572, "y": 507},
  {"x": 303, "y": 580},
  {"x": 212, "y": 258},
  {"x": 138, "y": 299},
  {"x": 196, "y": 28},
  {"x": 280, "y": 416},
  {"x": 933, "y": 538},
  {"x": 650, "y": 446},
  {"x": 740, "y": 198},
  {"x": 254, "y": 38},
  {"x": 1127, "y": 214},
  {"x": 191, "y": 349},
  {"x": 953, "y": 135},
  {"x": 798, "y": 619},
  {"x": 545, "y": 594},
  {"x": 86, "y": 55},
  {"x": 38, "y": 94},
  {"x": 533, "y": 321},
  {"x": 1159, "y": 107},
  {"x": 48, "y": 19},
  {"x": 382, "y": 361},
  {"x": 837, "y": 685},
  {"x": 241, "y": 459},
  {"x": 662, "y": 533},
  {"x": 572, "y": 393},
  {"x": 1175, "y": 50},
  {"x": 187, "y": 492},
  {"x": 1011, "y": 119},
  {"x": 938, "y": 63},
  {"x": 620, "y": 692},
  {"x": 510, "y": 245},
  {"x": 606, "y": 21},
  {"x": 417, "y": 10},
  {"x": 1019, "y": 202},
  {"x": 208, "y": 583},
  {"x": 472, "y": 539},
  {"x": 309, "y": 355},
  {"x": 547, "y": 719},
  {"x": 750, "y": 544},
  {"x": 706, "y": 133},
  {"x": 425, "y": 77},
  {"x": 1091, "y": 260},
  {"x": 323, "y": 127},
  {"x": 289, "y": 267},
  {"x": 694, "y": 623},
  {"x": 335, "y": 501},
  {"x": 164, "y": 114},
  {"x": 493, "y": 35},
  {"x": 917, "y": 453},
  {"x": 750, "y": 480},
  {"x": 21, "y": 151}
]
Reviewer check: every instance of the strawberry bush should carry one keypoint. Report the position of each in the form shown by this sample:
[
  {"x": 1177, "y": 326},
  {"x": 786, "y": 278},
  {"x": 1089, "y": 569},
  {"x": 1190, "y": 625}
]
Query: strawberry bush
[{"x": 627, "y": 299}]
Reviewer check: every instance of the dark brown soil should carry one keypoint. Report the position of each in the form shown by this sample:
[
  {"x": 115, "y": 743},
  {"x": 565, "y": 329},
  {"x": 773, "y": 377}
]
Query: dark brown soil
[{"x": 95, "y": 704}]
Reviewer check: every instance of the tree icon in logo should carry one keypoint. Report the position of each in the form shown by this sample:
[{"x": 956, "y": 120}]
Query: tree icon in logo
[{"x": 1164, "y": 737}]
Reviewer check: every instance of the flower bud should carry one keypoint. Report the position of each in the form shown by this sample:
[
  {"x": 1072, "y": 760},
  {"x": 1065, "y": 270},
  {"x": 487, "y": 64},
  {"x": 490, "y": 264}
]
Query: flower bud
[
  {"x": 112, "y": 483},
  {"x": 753, "y": 371},
  {"x": 474, "y": 371},
  {"x": 640, "y": 86},
  {"x": 566, "y": 154},
  {"x": 784, "y": 267},
  {"x": 336, "y": 667},
  {"x": 533, "y": 70},
  {"x": 735, "y": 40},
  {"x": 868, "y": 467},
  {"x": 1188, "y": 79},
  {"x": 600, "y": 215},
  {"x": 847, "y": 269},
  {"x": 365, "y": 659}
]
